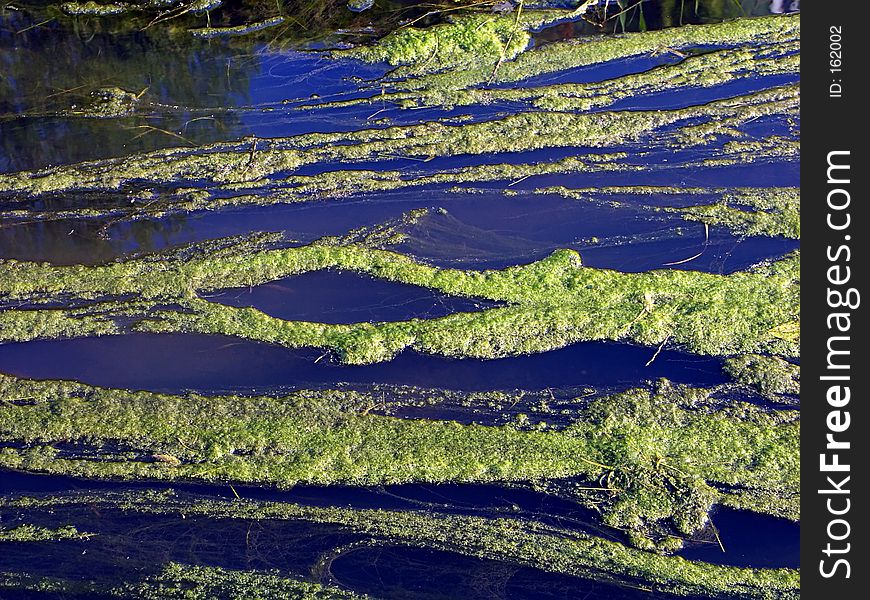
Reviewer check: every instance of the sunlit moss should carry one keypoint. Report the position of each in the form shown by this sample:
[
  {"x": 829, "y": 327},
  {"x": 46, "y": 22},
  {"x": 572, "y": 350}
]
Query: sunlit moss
[
  {"x": 767, "y": 374},
  {"x": 663, "y": 454},
  {"x": 707, "y": 69},
  {"x": 573, "y": 54},
  {"x": 253, "y": 161},
  {"x": 550, "y": 303},
  {"x": 773, "y": 212},
  {"x": 467, "y": 40},
  {"x": 99, "y": 9},
  {"x": 33, "y": 533}
]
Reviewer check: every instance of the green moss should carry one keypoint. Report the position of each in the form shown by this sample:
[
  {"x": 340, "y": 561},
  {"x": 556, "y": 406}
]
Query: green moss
[
  {"x": 746, "y": 211},
  {"x": 703, "y": 70},
  {"x": 252, "y": 161},
  {"x": 572, "y": 54},
  {"x": 664, "y": 454},
  {"x": 32, "y": 533},
  {"x": 519, "y": 541},
  {"x": 770, "y": 375},
  {"x": 91, "y": 8},
  {"x": 464, "y": 41},
  {"x": 772, "y": 212},
  {"x": 26, "y": 325},
  {"x": 187, "y": 582},
  {"x": 550, "y": 303}
]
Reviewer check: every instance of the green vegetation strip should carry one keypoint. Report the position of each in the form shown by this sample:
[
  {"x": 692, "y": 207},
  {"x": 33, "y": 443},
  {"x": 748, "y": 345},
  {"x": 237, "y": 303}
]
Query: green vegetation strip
[
  {"x": 769, "y": 212},
  {"x": 563, "y": 56},
  {"x": 769, "y": 375},
  {"x": 664, "y": 454},
  {"x": 551, "y": 303},
  {"x": 704, "y": 70},
  {"x": 518, "y": 541},
  {"x": 177, "y": 581},
  {"x": 253, "y": 161},
  {"x": 33, "y": 533}
]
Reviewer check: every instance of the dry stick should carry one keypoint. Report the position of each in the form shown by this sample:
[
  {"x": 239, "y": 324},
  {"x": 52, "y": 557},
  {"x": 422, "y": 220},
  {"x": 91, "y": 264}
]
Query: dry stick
[
  {"x": 716, "y": 533},
  {"x": 691, "y": 258},
  {"x": 662, "y": 345},
  {"x": 508, "y": 43}
]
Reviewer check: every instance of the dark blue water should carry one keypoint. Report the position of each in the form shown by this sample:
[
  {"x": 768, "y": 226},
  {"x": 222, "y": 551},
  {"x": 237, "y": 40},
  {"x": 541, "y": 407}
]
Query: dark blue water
[
  {"x": 748, "y": 539},
  {"x": 345, "y": 297},
  {"x": 173, "y": 362},
  {"x": 480, "y": 231}
]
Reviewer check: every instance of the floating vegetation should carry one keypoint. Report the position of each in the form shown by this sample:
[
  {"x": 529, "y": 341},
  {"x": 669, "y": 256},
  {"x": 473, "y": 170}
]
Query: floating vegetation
[
  {"x": 664, "y": 456},
  {"x": 187, "y": 582},
  {"x": 773, "y": 212},
  {"x": 769, "y": 375},
  {"x": 551, "y": 303},
  {"x": 253, "y": 161},
  {"x": 32, "y": 533},
  {"x": 465, "y": 42},
  {"x": 573, "y": 54},
  {"x": 519, "y": 541},
  {"x": 94, "y": 8},
  {"x": 705, "y": 69},
  {"x": 211, "y": 32}
]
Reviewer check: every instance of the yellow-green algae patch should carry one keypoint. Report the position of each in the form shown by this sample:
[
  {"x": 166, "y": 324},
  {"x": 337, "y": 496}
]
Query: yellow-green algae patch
[
  {"x": 551, "y": 303},
  {"x": 771, "y": 212},
  {"x": 252, "y": 161},
  {"x": 667, "y": 455},
  {"x": 707, "y": 69},
  {"x": 769, "y": 375},
  {"x": 465, "y": 41},
  {"x": 177, "y": 581},
  {"x": 33, "y": 533},
  {"x": 768, "y": 212},
  {"x": 519, "y": 541},
  {"x": 562, "y": 56}
]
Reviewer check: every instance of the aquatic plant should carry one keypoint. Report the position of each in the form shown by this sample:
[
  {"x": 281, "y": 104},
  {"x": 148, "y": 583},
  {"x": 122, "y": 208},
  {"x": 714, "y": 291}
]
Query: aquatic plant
[
  {"x": 769, "y": 375},
  {"x": 663, "y": 457},
  {"x": 186, "y": 582},
  {"x": 32, "y": 533},
  {"x": 518, "y": 541},
  {"x": 550, "y": 303}
]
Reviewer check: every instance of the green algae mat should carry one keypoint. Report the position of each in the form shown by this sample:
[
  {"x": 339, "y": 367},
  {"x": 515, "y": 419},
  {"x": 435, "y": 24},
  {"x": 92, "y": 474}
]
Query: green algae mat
[{"x": 399, "y": 300}]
